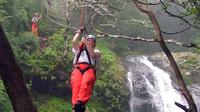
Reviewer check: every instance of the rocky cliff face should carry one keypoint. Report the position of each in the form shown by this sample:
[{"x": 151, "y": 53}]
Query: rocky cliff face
[{"x": 188, "y": 62}]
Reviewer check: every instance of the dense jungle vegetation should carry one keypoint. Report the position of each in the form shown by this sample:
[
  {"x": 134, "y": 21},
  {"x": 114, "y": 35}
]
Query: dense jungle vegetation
[{"x": 47, "y": 70}]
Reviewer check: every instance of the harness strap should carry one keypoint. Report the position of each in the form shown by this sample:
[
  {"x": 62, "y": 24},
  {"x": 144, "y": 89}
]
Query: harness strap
[
  {"x": 82, "y": 48},
  {"x": 88, "y": 55},
  {"x": 83, "y": 70},
  {"x": 79, "y": 54}
]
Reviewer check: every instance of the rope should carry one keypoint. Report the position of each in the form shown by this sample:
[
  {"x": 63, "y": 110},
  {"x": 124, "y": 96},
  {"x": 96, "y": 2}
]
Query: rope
[
  {"x": 82, "y": 16},
  {"x": 86, "y": 25}
]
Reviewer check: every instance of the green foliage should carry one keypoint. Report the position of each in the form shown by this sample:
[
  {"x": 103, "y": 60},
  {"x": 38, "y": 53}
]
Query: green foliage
[
  {"x": 189, "y": 8},
  {"x": 49, "y": 103},
  {"x": 47, "y": 60},
  {"x": 16, "y": 15},
  {"x": 197, "y": 41},
  {"x": 95, "y": 106},
  {"x": 5, "y": 105},
  {"x": 110, "y": 87},
  {"x": 190, "y": 67},
  {"x": 190, "y": 70},
  {"x": 192, "y": 7},
  {"x": 187, "y": 79},
  {"x": 2, "y": 10},
  {"x": 191, "y": 61},
  {"x": 25, "y": 46},
  {"x": 34, "y": 60}
]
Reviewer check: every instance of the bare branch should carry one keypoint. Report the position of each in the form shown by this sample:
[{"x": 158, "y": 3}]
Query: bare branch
[
  {"x": 181, "y": 106},
  {"x": 103, "y": 34},
  {"x": 119, "y": 10},
  {"x": 178, "y": 3},
  {"x": 114, "y": 7},
  {"x": 28, "y": 65},
  {"x": 182, "y": 44},
  {"x": 170, "y": 13},
  {"x": 1, "y": 20},
  {"x": 177, "y": 32},
  {"x": 46, "y": 14},
  {"x": 148, "y": 3},
  {"x": 59, "y": 24},
  {"x": 179, "y": 17}
]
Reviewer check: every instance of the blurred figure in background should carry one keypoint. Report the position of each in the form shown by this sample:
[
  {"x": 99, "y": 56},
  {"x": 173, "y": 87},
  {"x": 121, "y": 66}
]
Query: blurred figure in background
[{"x": 34, "y": 26}]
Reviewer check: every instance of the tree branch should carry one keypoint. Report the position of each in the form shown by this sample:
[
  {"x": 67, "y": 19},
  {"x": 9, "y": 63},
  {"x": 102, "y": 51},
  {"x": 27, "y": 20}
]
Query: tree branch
[
  {"x": 28, "y": 65},
  {"x": 114, "y": 7},
  {"x": 103, "y": 34},
  {"x": 181, "y": 106},
  {"x": 1, "y": 20},
  {"x": 58, "y": 24},
  {"x": 148, "y": 3},
  {"x": 177, "y": 32},
  {"x": 169, "y": 13},
  {"x": 179, "y": 17}
]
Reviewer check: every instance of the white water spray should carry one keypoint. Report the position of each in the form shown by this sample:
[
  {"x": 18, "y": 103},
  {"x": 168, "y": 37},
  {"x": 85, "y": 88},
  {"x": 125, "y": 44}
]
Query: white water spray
[{"x": 162, "y": 93}]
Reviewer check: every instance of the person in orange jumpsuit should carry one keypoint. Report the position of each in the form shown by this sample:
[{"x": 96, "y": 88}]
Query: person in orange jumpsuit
[
  {"x": 83, "y": 73},
  {"x": 34, "y": 26}
]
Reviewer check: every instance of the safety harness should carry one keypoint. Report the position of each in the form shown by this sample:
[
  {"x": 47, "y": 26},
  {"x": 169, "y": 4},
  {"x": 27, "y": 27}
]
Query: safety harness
[{"x": 90, "y": 66}]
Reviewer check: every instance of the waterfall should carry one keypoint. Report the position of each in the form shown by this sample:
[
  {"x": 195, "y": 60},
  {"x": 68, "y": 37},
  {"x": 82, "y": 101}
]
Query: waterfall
[{"x": 151, "y": 88}]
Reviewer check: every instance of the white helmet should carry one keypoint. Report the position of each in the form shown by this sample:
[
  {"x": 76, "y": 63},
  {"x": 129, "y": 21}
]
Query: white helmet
[{"x": 91, "y": 37}]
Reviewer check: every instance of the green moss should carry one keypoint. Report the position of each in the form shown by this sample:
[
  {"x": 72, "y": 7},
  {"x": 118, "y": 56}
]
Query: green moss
[
  {"x": 190, "y": 68},
  {"x": 51, "y": 103},
  {"x": 190, "y": 61},
  {"x": 187, "y": 79},
  {"x": 5, "y": 105},
  {"x": 94, "y": 106}
]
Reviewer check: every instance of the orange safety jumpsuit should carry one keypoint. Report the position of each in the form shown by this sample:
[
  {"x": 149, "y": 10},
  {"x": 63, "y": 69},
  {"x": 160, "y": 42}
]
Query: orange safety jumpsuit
[{"x": 82, "y": 76}]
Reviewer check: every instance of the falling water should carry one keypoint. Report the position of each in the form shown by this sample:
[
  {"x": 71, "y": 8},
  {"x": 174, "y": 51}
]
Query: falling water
[{"x": 151, "y": 88}]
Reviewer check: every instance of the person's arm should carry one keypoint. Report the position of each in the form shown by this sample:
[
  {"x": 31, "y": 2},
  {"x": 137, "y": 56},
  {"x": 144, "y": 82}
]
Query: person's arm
[
  {"x": 39, "y": 17},
  {"x": 98, "y": 54},
  {"x": 75, "y": 41},
  {"x": 76, "y": 38},
  {"x": 89, "y": 48}
]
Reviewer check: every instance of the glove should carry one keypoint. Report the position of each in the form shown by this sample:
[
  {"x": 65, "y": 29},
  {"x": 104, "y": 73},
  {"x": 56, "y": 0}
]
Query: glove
[{"x": 81, "y": 30}]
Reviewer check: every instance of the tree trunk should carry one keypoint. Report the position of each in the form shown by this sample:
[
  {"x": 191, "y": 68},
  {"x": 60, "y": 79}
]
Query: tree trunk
[
  {"x": 12, "y": 77},
  {"x": 181, "y": 84}
]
